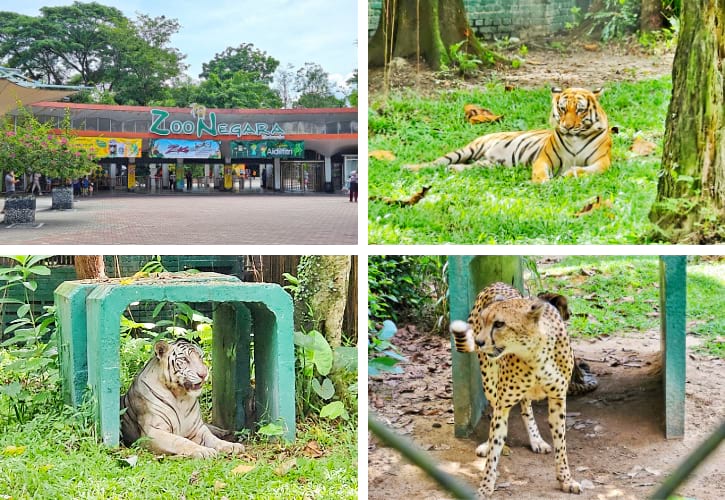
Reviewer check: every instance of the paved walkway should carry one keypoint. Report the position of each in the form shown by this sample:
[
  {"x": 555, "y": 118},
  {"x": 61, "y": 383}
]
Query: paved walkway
[{"x": 183, "y": 219}]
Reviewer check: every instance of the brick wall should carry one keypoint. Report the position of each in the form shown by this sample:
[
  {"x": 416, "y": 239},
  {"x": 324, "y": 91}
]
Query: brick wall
[{"x": 504, "y": 18}]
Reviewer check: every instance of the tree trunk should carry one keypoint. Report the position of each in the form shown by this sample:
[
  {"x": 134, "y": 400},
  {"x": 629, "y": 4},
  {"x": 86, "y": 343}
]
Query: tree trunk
[
  {"x": 650, "y": 17},
  {"x": 323, "y": 287},
  {"x": 425, "y": 28},
  {"x": 691, "y": 188},
  {"x": 90, "y": 267}
]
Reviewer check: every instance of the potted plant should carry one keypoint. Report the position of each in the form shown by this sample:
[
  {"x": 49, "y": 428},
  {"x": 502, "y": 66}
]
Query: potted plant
[{"x": 29, "y": 146}]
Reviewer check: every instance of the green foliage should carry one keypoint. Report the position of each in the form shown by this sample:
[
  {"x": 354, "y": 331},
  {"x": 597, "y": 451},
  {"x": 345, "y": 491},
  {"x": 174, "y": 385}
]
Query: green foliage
[
  {"x": 613, "y": 295},
  {"x": 31, "y": 146},
  {"x": 383, "y": 356},
  {"x": 314, "y": 88},
  {"x": 314, "y": 381},
  {"x": 501, "y": 205},
  {"x": 29, "y": 373},
  {"x": 466, "y": 63},
  {"x": 616, "y": 19},
  {"x": 92, "y": 44}
]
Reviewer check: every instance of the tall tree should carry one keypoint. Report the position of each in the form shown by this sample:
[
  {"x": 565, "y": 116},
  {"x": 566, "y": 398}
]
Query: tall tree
[
  {"x": 244, "y": 58},
  {"x": 284, "y": 84},
  {"x": 323, "y": 286},
  {"x": 690, "y": 204},
  {"x": 89, "y": 267},
  {"x": 425, "y": 28},
  {"x": 650, "y": 17},
  {"x": 315, "y": 90}
]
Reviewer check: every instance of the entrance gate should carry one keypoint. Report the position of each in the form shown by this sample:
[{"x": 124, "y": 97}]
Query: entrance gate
[{"x": 302, "y": 176}]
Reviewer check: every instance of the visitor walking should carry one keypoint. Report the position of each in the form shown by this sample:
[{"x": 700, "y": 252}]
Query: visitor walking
[
  {"x": 36, "y": 184},
  {"x": 264, "y": 178},
  {"x": 189, "y": 179},
  {"x": 172, "y": 181},
  {"x": 353, "y": 186}
]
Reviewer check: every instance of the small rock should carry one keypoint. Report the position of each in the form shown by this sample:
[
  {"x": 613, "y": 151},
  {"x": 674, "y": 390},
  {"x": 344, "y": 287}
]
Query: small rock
[{"x": 586, "y": 484}]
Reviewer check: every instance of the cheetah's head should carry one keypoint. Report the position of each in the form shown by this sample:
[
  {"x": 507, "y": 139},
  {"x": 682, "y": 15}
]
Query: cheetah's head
[{"x": 511, "y": 327}]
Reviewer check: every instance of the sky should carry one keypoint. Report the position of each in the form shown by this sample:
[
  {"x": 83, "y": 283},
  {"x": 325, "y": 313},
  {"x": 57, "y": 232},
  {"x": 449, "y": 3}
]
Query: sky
[{"x": 291, "y": 31}]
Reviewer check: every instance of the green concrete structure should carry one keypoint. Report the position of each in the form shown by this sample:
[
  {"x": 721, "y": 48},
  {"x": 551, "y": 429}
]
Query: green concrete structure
[
  {"x": 673, "y": 307},
  {"x": 468, "y": 275},
  {"x": 250, "y": 319}
]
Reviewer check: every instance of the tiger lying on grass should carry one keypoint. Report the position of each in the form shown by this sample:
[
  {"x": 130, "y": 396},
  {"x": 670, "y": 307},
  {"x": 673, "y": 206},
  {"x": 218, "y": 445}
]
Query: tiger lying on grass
[
  {"x": 579, "y": 143},
  {"x": 162, "y": 404}
]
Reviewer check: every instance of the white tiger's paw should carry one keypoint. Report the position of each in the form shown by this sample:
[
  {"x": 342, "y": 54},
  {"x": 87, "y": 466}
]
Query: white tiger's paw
[
  {"x": 482, "y": 449},
  {"x": 231, "y": 448},
  {"x": 540, "y": 446},
  {"x": 203, "y": 452},
  {"x": 571, "y": 486}
]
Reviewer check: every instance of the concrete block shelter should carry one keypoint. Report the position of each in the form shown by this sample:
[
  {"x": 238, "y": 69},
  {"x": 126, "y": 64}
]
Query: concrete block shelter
[{"x": 256, "y": 316}]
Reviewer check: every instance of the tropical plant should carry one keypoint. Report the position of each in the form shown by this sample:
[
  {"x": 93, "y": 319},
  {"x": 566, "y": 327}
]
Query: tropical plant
[
  {"x": 383, "y": 356},
  {"x": 31, "y": 146}
]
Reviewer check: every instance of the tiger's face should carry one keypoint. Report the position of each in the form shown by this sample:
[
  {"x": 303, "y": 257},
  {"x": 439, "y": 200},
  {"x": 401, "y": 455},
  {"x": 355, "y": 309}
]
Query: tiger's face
[
  {"x": 576, "y": 111},
  {"x": 183, "y": 366}
]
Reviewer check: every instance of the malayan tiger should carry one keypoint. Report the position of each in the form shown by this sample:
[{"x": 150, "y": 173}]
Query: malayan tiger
[
  {"x": 579, "y": 143},
  {"x": 162, "y": 404}
]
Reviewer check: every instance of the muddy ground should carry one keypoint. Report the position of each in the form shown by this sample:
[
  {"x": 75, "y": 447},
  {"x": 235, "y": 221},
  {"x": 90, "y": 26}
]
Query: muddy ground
[
  {"x": 615, "y": 435},
  {"x": 572, "y": 66}
]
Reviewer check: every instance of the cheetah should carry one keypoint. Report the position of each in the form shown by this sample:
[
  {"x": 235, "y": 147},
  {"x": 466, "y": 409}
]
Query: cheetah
[{"x": 525, "y": 355}]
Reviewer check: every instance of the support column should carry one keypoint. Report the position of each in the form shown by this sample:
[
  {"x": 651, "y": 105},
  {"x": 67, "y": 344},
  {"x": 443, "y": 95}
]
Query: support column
[
  {"x": 277, "y": 175},
  {"x": 467, "y": 276},
  {"x": 673, "y": 306}
]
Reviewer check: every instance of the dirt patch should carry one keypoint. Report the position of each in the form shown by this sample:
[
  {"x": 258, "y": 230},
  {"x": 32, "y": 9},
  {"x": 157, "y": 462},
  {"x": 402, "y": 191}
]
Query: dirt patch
[
  {"x": 615, "y": 437},
  {"x": 573, "y": 66}
]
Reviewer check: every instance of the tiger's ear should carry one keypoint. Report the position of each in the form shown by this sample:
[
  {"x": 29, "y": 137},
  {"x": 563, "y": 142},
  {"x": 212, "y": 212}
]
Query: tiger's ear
[
  {"x": 556, "y": 90},
  {"x": 160, "y": 348},
  {"x": 598, "y": 92}
]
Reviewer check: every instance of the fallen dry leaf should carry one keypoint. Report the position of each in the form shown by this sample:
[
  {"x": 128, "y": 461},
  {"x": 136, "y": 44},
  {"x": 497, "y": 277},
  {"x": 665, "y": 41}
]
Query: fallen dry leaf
[
  {"x": 591, "y": 47},
  {"x": 381, "y": 154},
  {"x": 642, "y": 147},
  {"x": 594, "y": 204},
  {"x": 219, "y": 485},
  {"x": 242, "y": 469},
  {"x": 312, "y": 450},
  {"x": 476, "y": 114}
]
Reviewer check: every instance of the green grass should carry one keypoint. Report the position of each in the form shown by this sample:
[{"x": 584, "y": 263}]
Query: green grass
[
  {"x": 501, "y": 205},
  {"x": 62, "y": 460},
  {"x": 616, "y": 295}
]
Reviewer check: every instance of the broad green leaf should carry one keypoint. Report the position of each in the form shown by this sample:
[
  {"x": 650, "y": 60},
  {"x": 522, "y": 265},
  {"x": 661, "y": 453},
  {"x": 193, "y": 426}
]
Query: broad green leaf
[
  {"x": 388, "y": 330},
  {"x": 23, "y": 310},
  {"x": 325, "y": 390},
  {"x": 12, "y": 389},
  {"x": 334, "y": 410},
  {"x": 31, "y": 285},
  {"x": 39, "y": 270}
]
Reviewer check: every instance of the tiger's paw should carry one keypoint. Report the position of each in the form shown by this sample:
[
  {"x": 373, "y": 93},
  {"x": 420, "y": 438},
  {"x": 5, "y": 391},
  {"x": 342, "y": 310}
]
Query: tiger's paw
[
  {"x": 202, "y": 452},
  {"x": 231, "y": 448},
  {"x": 413, "y": 167},
  {"x": 575, "y": 172}
]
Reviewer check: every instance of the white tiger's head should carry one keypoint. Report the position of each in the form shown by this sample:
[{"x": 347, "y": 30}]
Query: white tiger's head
[
  {"x": 182, "y": 366},
  {"x": 576, "y": 111}
]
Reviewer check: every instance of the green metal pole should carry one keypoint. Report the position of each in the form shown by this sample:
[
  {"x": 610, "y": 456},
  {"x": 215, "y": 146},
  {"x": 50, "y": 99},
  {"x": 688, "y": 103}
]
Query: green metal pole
[{"x": 419, "y": 458}]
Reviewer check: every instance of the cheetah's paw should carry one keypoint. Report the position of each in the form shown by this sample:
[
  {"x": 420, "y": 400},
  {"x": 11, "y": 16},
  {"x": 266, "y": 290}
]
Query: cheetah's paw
[
  {"x": 540, "y": 446},
  {"x": 571, "y": 486}
]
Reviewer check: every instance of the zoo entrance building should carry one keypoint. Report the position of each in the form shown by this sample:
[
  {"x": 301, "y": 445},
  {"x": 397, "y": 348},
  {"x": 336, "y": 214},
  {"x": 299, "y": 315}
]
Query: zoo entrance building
[{"x": 157, "y": 149}]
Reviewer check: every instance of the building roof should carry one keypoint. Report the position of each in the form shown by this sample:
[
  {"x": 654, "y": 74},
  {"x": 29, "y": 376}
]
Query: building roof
[{"x": 15, "y": 87}]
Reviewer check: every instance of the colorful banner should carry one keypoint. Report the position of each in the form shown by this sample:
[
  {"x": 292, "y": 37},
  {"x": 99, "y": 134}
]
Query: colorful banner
[
  {"x": 181, "y": 148},
  {"x": 268, "y": 149},
  {"x": 109, "y": 147},
  {"x": 131, "y": 176}
]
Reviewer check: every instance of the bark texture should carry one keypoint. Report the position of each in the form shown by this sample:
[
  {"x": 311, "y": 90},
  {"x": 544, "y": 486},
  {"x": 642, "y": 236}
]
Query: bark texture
[
  {"x": 691, "y": 188},
  {"x": 324, "y": 282},
  {"x": 425, "y": 28},
  {"x": 90, "y": 267},
  {"x": 650, "y": 17}
]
